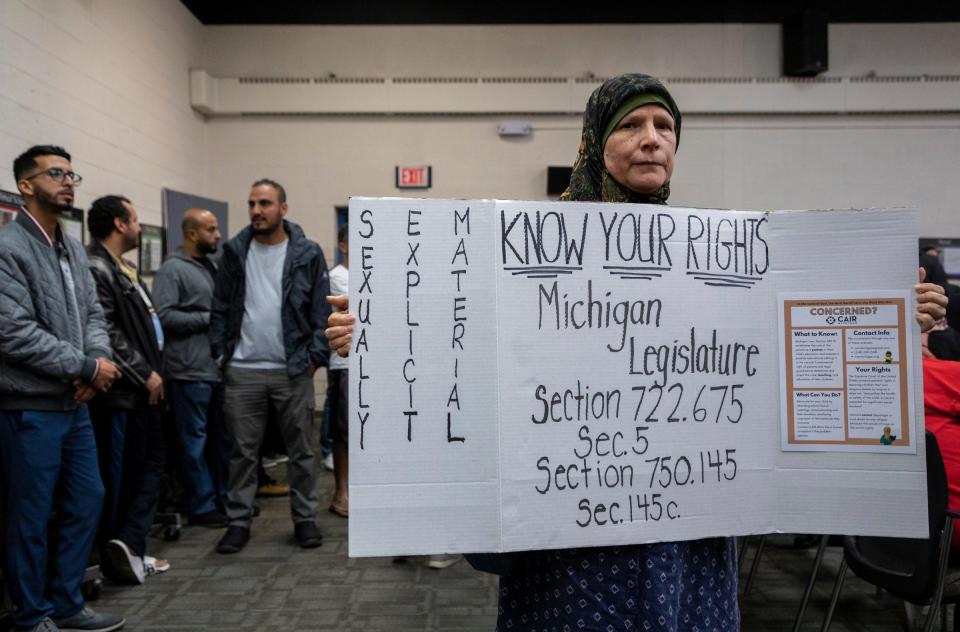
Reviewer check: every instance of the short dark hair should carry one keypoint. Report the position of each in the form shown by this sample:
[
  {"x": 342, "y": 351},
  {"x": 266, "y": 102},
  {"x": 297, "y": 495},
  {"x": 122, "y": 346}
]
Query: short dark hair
[
  {"x": 28, "y": 159},
  {"x": 102, "y": 213},
  {"x": 281, "y": 192},
  {"x": 344, "y": 233}
]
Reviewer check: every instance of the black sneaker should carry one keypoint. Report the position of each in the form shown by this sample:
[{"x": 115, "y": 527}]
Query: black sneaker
[
  {"x": 211, "y": 519},
  {"x": 307, "y": 534},
  {"x": 233, "y": 540},
  {"x": 87, "y": 620}
]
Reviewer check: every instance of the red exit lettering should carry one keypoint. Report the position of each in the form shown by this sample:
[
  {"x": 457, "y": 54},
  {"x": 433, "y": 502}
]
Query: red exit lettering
[{"x": 413, "y": 177}]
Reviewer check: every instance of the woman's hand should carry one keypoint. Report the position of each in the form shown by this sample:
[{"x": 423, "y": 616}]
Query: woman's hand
[
  {"x": 339, "y": 330},
  {"x": 931, "y": 303}
]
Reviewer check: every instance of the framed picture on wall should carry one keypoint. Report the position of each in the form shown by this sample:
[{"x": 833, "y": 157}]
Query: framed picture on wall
[
  {"x": 72, "y": 219},
  {"x": 10, "y": 204},
  {"x": 151, "y": 249}
]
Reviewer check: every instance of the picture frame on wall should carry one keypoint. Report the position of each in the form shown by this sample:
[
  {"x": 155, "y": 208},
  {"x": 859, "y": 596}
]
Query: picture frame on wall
[
  {"x": 151, "y": 251},
  {"x": 10, "y": 204},
  {"x": 72, "y": 219}
]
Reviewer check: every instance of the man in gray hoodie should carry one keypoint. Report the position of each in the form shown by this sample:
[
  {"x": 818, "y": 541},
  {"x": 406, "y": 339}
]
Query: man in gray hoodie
[
  {"x": 183, "y": 293},
  {"x": 54, "y": 357}
]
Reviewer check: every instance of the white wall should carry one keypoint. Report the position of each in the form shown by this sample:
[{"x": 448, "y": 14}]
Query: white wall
[
  {"x": 728, "y": 162},
  {"x": 745, "y": 162},
  {"x": 107, "y": 80}
]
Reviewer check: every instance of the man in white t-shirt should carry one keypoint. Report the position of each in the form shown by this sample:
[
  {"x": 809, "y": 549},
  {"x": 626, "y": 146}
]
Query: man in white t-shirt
[
  {"x": 266, "y": 330},
  {"x": 338, "y": 390}
]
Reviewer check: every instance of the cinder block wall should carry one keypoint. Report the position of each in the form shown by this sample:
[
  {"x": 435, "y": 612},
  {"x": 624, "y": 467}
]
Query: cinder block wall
[{"x": 109, "y": 80}]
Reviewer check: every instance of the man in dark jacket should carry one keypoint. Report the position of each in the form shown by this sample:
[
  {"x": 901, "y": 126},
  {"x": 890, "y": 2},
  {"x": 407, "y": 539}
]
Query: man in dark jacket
[
  {"x": 54, "y": 356},
  {"x": 267, "y": 331},
  {"x": 183, "y": 294},
  {"x": 127, "y": 418}
]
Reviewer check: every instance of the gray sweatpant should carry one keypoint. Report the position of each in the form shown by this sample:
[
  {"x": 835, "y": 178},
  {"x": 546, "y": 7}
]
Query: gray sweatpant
[{"x": 248, "y": 393}]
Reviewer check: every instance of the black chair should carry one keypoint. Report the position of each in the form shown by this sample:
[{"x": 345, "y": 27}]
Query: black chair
[
  {"x": 914, "y": 570},
  {"x": 761, "y": 544}
]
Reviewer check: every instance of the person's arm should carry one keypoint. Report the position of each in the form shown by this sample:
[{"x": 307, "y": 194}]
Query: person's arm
[
  {"x": 220, "y": 309},
  {"x": 96, "y": 335},
  {"x": 319, "y": 352},
  {"x": 23, "y": 341},
  {"x": 131, "y": 358},
  {"x": 166, "y": 299}
]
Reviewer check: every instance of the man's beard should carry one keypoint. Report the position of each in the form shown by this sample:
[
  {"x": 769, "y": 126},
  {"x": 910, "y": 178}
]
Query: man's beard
[
  {"x": 131, "y": 243},
  {"x": 206, "y": 249},
  {"x": 50, "y": 201},
  {"x": 267, "y": 230}
]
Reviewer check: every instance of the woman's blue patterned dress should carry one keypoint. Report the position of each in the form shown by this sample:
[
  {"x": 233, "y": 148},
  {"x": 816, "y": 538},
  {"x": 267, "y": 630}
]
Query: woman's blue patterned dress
[{"x": 668, "y": 587}]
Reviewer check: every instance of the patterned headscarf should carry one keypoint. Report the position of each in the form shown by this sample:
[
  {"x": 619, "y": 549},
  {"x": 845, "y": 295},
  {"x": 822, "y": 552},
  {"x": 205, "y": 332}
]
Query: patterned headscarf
[{"x": 590, "y": 181}]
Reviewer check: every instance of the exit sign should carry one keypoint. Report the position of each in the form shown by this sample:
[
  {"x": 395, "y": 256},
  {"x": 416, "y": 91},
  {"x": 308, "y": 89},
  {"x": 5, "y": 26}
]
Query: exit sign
[{"x": 413, "y": 177}]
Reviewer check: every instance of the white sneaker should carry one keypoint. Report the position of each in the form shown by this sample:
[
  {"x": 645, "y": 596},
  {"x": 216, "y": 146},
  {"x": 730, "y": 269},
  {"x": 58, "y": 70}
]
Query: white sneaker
[
  {"x": 328, "y": 462},
  {"x": 444, "y": 561},
  {"x": 127, "y": 566},
  {"x": 153, "y": 566}
]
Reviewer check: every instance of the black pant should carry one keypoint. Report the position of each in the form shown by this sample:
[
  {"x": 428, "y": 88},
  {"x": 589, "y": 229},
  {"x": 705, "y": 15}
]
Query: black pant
[{"x": 131, "y": 449}]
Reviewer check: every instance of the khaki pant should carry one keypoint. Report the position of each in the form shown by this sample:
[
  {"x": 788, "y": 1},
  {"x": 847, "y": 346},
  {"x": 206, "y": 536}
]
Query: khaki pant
[{"x": 248, "y": 394}]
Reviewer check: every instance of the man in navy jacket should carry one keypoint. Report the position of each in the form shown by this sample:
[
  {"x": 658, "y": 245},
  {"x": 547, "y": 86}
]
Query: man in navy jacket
[{"x": 267, "y": 332}]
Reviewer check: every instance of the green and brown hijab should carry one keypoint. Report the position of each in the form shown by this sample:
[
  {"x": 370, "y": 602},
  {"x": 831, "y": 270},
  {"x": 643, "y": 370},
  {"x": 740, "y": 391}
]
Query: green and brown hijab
[{"x": 590, "y": 181}]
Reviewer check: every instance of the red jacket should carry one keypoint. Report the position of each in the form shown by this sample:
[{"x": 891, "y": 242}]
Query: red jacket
[{"x": 941, "y": 404}]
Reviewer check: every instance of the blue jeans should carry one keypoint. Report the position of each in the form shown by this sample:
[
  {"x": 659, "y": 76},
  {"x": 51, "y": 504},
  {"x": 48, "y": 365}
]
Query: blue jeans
[
  {"x": 132, "y": 455},
  {"x": 49, "y": 463},
  {"x": 110, "y": 433},
  {"x": 204, "y": 444}
]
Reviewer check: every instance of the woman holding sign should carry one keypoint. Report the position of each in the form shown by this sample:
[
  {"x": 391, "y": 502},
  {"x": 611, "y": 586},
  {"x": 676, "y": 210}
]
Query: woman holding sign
[{"x": 631, "y": 131}]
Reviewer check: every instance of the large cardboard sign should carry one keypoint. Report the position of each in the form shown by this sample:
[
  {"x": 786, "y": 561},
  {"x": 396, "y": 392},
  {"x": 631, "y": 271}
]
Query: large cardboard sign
[{"x": 531, "y": 375}]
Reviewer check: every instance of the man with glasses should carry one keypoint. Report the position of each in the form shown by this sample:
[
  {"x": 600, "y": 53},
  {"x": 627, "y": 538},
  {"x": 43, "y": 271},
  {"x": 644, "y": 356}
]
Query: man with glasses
[{"x": 54, "y": 357}]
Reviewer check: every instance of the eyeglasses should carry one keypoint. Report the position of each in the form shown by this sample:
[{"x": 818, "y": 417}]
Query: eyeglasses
[{"x": 59, "y": 175}]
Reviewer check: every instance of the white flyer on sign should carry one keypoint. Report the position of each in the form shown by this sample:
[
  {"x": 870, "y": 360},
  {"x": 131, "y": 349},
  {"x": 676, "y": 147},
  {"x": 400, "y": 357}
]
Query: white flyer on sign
[{"x": 844, "y": 367}]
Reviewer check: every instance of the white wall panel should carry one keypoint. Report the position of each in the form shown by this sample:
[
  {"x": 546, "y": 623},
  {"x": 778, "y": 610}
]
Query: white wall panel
[
  {"x": 109, "y": 81},
  {"x": 732, "y": 162}
]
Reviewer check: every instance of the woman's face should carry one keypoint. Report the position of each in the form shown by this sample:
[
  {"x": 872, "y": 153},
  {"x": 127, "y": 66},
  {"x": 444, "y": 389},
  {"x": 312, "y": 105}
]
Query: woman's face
[{"x": 639, "y": 152}]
